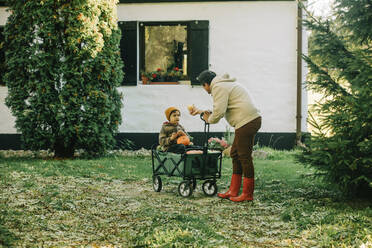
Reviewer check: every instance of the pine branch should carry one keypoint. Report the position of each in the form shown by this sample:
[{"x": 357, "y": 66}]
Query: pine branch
[
  {"x": 328, "y": 83},
  {"x": 324, "y": 33},
  {"x": 312, "y": 121}
]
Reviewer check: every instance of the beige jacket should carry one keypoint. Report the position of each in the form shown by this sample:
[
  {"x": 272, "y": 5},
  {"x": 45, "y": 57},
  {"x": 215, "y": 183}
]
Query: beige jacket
[{"x": 232, "y": 101}]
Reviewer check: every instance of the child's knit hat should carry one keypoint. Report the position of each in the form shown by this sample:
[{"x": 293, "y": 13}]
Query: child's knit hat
[{"x": 169, "y": 111}]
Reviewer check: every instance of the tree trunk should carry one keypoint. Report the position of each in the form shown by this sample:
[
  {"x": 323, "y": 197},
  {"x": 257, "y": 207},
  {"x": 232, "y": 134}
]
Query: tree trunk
[{"x": 60, "y": 151}]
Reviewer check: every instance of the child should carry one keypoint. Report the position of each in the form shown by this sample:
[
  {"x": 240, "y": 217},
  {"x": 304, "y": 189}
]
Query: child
[{"x": 171, "y": 131}]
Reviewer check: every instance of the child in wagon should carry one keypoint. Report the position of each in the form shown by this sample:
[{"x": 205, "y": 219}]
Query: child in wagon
[{"x": 172, "y": 136}]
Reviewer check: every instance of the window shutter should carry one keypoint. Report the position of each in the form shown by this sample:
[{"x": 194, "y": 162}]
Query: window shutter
[
  {"x": 128, "y": 51},
  {"x": 198, "y": 41}
]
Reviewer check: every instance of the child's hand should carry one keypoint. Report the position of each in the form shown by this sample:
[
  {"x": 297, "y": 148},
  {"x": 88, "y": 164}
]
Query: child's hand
[
  {"x": 180, "y": 133},
  {"x": 173, "y": 136}
]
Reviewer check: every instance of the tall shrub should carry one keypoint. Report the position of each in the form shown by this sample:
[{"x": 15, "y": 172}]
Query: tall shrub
[
  {"x": 340, "y": 63},
  {"x": 63, "y": 65}
]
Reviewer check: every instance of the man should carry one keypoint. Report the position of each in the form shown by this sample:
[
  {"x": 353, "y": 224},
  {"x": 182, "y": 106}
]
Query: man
[{"x": 232, "y": 101}]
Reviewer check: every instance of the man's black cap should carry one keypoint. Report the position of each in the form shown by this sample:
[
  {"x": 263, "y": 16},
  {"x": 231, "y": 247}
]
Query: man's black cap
[{"x": 206, "y": 77}]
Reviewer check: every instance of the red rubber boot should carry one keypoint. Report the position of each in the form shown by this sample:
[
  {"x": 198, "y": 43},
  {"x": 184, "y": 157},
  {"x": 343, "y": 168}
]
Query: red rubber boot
[
  {"x": 236, "y": 181},
  {"x": 247, "y": 194}
]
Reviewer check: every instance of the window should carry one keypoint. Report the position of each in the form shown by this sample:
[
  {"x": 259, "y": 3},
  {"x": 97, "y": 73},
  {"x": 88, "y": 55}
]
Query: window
[
  {"x": 166, "y": 45},
  {"x": 164, "y": 51}
]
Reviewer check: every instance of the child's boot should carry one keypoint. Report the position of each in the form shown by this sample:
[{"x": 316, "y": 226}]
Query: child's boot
[
  {"x": 247, "y": 194},
  {"x": 236, "y": 181}
]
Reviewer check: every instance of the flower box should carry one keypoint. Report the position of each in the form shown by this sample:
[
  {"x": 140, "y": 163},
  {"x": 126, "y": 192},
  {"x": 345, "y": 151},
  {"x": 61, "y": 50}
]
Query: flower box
[{"x": 150, "y": 82}]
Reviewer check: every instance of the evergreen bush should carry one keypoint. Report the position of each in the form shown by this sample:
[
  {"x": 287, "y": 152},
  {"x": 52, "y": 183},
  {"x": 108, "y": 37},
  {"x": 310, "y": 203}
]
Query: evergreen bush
[
  {"x": 62, "y": 68},
  {"x": 340, "y": 65}
]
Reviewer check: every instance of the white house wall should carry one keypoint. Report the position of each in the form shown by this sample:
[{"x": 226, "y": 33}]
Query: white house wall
[
  {"x": 3, "y": 15},
  {"x": 252, "y": 41},
  {"x": 6, "y": 119}
]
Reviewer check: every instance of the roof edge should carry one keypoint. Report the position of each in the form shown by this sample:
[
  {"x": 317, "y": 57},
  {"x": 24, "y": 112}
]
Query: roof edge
[
  {"x": 182, "y": 1},
  {"x": 3, "y": 2}
]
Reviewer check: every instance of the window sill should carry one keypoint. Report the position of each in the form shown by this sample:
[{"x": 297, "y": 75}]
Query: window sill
[
  {"x": 181, "y": 82},
  {"x": 162, "y": 83}
]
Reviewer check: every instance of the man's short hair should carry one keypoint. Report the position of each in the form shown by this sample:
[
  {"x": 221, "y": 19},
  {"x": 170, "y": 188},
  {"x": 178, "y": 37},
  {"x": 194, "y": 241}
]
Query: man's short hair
[{"x": 206, "y": 77}]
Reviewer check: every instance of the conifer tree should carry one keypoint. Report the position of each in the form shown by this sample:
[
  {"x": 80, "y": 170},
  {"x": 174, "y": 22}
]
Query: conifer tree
[
  {"x": 340, "y": 68},
  {"x": 62, "y": 68}
]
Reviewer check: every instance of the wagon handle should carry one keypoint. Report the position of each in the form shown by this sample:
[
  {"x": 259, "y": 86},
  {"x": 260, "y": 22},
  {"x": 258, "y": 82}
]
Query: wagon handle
[
  {"x": 206, "y": 134},
  {"x": 201, "y": 116}
]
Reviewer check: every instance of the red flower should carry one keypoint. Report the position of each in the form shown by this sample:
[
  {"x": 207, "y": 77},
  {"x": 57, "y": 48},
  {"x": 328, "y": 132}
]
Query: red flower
[
  {"x": 154, "y": 75},
  {"x": 159, "y": 69},
  {"x": 176, "y": 69}
]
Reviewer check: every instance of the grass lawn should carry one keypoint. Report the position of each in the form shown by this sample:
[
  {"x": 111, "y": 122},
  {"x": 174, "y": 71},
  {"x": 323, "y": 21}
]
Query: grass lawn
[{"x": 110, "y": 202}]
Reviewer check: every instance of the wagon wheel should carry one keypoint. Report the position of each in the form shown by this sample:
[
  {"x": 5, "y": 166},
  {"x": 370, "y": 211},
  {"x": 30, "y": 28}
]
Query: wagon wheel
[
  {"x": 185, "y": 188},
  {"x": 156, "y": 183},
  {"x": 209, "y": 187}
]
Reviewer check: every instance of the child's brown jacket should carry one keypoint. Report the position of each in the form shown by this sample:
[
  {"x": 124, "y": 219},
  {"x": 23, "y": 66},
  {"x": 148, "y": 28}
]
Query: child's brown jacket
[{"x": 166, "y": 132}]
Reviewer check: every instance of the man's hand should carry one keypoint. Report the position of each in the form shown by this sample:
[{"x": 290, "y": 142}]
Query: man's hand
[
  {"x": 206, "y": 115},
  {"x": 196, "y": 112},
  {"x": 193, "y": 110}
]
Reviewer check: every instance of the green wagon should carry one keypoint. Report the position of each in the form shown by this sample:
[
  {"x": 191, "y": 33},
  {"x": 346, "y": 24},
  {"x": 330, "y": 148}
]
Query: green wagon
[{"x": 190, "y": 167}]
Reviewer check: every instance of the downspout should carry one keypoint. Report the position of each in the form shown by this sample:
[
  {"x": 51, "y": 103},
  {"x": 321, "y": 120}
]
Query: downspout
[{"x": 299, "y": 75}]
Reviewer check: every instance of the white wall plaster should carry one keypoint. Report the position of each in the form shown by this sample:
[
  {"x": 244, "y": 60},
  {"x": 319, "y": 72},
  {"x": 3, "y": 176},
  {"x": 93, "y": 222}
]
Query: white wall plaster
[
  {"x": 3, "y": 15},
  {"x": 254, "y": 41},
  {"x": 7, "y": 121}
]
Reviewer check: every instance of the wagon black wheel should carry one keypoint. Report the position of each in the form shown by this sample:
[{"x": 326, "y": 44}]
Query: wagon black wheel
[
  {"x": 157, "y": 184},
  {"x": 193, "y": 183},
  {"x": 185, "y": 188},
  {"x": 210, "y": 188}
]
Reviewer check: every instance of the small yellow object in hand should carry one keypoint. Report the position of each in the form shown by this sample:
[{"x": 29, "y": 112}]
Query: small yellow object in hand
[{"x": 191, "y": 108}]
